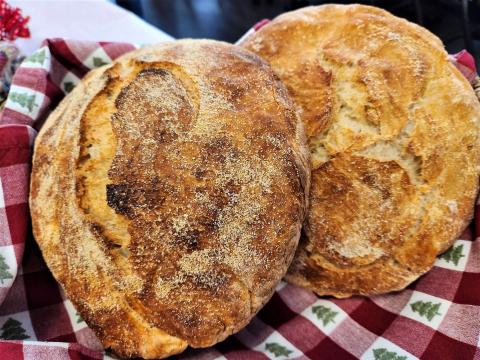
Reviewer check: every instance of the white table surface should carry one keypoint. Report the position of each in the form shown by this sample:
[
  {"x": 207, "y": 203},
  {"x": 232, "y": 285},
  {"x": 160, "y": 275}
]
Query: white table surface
[{"x": 97, "y": 20}]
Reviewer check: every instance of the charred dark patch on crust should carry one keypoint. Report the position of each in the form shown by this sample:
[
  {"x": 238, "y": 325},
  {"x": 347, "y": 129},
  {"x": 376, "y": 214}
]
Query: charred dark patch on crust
[
  {"x": 200, "y": 173},
  {"x": 153, "y": 71},
  {"x": 124, "y": 198},
  {"x": 190, "y": 239},
  {"x": 118, "y": 198}
]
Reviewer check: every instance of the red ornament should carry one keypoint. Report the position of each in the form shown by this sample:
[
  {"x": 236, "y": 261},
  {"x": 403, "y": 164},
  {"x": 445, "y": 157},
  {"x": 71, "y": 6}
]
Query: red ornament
[{"x": 12, "y": 23}]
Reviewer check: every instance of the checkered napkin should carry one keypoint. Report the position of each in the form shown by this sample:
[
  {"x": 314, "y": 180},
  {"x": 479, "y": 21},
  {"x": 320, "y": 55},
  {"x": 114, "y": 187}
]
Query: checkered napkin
[{"x": 437, "y": 317}]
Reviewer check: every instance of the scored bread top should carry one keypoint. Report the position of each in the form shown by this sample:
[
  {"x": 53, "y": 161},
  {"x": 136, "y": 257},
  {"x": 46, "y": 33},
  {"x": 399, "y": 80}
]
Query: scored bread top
[
  {"x": 168, "y": 192},
  {"x": 393, "y": 130}
]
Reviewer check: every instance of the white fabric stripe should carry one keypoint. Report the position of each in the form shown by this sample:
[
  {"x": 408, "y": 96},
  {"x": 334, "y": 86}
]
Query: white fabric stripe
[
  {"x": 458, "y": 262},
  {"x": 419, "y": 298},
  {"x": 108, "y": 357},
  {"x": 389, "y": 349},
  {"x": 25, "y": 323},
  {"x": 221, "y": 357},
  {"x": 274, "y": 340},
  {"x": 267, "y": 347},
  {"x": 280, "y": 286},
  {"x": 98, "y": 54},
  {"x": 32, "y": 104},
  {"x": 69, "y": 78},
  {"x": 33, "y": 61},
  {"x": 9, "y": 264},
  {"x": 74, "y": 316},
  {"x": 332, "y": 315},
  {"x": 47, "y": 344}
]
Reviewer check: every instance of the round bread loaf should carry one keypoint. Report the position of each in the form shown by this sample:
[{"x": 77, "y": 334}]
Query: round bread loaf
[
  {"x": 168, "y": 193},
  {"x": 393, "y": 130}
]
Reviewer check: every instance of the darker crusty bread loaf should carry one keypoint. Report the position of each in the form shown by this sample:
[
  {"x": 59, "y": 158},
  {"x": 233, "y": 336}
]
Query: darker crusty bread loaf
[
  {"x": 393, "y": 130},
  {"x": 167, "y": 195}
]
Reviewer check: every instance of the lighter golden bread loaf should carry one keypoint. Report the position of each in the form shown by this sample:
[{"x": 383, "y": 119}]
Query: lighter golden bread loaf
[
  {"x": 393, "y": 130},
  {"x": 167, "y": 195}
]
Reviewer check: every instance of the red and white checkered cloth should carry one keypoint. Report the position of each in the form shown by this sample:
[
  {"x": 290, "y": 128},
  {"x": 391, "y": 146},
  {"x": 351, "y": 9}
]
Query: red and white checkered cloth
[{"x": 437, "y": 317}]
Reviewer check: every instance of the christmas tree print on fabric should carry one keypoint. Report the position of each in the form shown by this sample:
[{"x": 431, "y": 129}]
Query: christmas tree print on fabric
[
  {"x": 4, "y": 273},
  {"x": 68, "y": 86},
  {"x": 453, "y": 254},
  {"x": 426, "y": 309},
  {"x": 37, "y": 57},
  {"x": 25, "y": 100},
  {"x": 79, "y": 318},
  {"x": 277, "y": 349},
  {"x": 13, "y": 330},
  {"x": 325, "y": 314},
  {"x": 97, "y": 62},
  {"x": 384, "y": 354}
]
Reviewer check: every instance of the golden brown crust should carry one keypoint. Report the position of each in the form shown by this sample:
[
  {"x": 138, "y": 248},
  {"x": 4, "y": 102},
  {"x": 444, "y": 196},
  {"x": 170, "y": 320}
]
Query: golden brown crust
[
  {"x": 393, "y": 133},
  {"x": 167, "y": 195}
]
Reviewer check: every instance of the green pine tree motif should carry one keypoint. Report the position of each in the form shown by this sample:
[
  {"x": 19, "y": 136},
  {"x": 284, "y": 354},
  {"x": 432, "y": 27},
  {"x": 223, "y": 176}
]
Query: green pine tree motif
[
  {"x": 4, "y": 273},
  {"x": 453, "y": 254},
  {"x": 12, "y": 330},
  {"x": 25, "y": 100},
  {"x": 98, "y": 62},
  {"x": 37, "y": 57},
  {"x": 79, "y": 318},
  {"x": 277, "y": 349},
  {"x": 384, "y": 354},
  {"x": 426, "y": 308},
  {"x": 68, "y": 86},
  {"x": 325, "y": 314}
]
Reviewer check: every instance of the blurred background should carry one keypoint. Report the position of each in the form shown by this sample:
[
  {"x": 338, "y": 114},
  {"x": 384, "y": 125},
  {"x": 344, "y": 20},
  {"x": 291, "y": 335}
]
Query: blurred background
[{"x": 456, "y": 22}]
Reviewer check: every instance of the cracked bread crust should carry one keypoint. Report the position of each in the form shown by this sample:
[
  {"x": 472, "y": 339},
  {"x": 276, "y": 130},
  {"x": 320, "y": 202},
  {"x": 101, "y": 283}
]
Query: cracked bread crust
[
  {"x": 168, "y": 192},
  {"x": 393, "y": 130}
]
